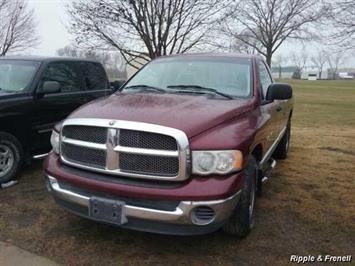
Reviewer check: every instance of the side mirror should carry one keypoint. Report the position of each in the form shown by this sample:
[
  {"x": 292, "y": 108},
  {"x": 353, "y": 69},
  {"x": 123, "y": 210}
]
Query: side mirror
[
  {"x": 116, "y": 85},
  {"x": 278, "y": 91},
  {"x": 49, "y": 87}
]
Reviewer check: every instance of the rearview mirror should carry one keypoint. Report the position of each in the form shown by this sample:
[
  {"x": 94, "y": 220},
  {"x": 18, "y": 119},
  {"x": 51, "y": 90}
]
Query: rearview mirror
[
  {"x": 116, "y": 85},
  {"x": 278, "y": 91},
  {"x": 49, "y": 87}
]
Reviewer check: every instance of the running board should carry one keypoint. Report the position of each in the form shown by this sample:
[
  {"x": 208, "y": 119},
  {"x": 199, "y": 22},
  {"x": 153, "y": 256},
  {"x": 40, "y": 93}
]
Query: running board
[
  {"x": 39, "y": 156},
  {"x": 269, "y": 170}
]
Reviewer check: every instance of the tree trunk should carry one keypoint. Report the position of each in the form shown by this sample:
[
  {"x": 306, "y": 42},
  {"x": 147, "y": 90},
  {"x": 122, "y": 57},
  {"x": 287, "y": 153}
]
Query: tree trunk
[{"x": 268, "y": 57}]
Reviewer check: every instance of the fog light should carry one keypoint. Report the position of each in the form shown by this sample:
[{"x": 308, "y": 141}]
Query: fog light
[{"x": 202, "y": 215}]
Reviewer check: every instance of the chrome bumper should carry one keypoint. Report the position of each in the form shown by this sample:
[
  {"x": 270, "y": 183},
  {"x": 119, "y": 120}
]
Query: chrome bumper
[{"x": 181, "y": 215}]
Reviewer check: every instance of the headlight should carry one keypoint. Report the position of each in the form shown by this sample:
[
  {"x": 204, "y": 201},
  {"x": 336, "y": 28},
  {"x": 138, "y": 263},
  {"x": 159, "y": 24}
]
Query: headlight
[
  {"x": 216, "y": 162},
  {"x": 58, "y": 126},
  {"x": 55, "y": 141}
]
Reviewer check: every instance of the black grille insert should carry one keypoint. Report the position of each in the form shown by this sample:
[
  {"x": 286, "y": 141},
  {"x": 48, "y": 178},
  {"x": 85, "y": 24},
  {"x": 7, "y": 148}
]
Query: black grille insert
[
  {"x": 202, "y": 215},
  {"x": 149, "y": 164},
  {"x": 147, "y": 140},
  {"x": 84, "y": 156},
  {"x": 86, "y": 133}
]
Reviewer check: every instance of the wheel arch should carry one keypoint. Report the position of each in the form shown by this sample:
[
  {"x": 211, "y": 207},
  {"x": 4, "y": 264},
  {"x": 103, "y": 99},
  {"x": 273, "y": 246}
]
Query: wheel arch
[
  {"x": 257, "y": 152},
  {"x": 20, "y": 133}
]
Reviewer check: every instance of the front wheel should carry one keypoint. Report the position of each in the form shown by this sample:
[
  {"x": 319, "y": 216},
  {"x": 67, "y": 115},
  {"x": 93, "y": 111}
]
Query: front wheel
[
  {"x": 11, "y": 157},
  {"x": 242, "y": 220}
]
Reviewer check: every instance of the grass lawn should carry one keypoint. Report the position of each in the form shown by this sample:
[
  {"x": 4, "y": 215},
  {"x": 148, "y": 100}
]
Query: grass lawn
[{"x": 308, "y": 207}]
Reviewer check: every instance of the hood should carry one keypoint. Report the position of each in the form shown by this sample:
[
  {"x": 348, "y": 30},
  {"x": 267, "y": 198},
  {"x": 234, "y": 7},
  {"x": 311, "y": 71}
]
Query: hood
[{"x": 191, "y": 114}]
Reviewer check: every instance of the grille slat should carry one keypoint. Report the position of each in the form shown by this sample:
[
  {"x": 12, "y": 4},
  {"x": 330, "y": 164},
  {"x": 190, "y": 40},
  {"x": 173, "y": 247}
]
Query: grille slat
[{"x": 202, "y": 215}]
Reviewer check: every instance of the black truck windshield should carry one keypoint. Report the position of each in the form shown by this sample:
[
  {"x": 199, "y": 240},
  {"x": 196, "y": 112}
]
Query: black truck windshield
[
  {"x": 228, "y": 77},
  {"x": 16, "y": 75}
]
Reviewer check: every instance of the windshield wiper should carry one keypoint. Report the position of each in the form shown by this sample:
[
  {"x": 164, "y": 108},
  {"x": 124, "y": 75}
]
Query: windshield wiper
[
  {"x": 145, "y": 87},
  {"x": 197, "y": 88}
]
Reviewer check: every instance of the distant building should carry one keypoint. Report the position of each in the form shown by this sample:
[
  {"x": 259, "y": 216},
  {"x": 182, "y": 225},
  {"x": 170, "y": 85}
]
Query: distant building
[
  {"x": 283, "y": 72},
  {"x": 346, "y": 73},
  {"x": 312, "y": 73},
  {"x": 308, "y": 72}
]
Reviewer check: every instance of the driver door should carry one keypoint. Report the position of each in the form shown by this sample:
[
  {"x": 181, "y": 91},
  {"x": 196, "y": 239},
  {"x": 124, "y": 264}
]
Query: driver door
[
  {"x": 270, "y": 130},
  {"x": 52, "y": 108}
]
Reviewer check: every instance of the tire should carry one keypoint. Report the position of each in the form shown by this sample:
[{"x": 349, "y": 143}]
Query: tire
[
  {"x": 242, "y": 220},
  {"x": 11, "y": 157},
  {"x": 282, "y": 148}
]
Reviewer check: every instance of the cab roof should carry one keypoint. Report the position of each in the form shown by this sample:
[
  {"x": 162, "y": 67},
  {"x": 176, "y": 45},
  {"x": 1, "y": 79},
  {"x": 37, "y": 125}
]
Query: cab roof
[
  {"x": 45, "y": 58},
  {"x": 214, "y": 55}
]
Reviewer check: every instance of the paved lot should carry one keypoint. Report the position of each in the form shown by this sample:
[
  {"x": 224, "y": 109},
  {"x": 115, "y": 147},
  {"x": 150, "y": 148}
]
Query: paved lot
[{"x": 308, "y": 207}]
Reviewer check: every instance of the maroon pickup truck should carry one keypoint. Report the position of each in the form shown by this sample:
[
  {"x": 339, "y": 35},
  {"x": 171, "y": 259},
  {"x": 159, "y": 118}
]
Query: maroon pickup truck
[{"x": 183, "y": 147}]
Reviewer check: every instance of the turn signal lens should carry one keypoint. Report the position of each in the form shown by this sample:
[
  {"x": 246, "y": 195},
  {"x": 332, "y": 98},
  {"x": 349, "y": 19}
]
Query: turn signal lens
[{"x": 55, "y": 141}]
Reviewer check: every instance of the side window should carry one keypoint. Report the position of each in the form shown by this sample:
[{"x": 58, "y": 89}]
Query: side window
[
  {"x": 65, "y": 73},
  {"x": 265, "y": 79},
  {"x": 94, "y": 76}
]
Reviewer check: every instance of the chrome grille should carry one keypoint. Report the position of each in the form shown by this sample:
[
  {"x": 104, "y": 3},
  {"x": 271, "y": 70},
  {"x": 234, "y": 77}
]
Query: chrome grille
[{"x": 125, "y": 148}]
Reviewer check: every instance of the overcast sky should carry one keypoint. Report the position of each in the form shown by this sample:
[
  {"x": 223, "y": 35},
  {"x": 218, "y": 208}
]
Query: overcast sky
[{"x": 51, "y": 17}]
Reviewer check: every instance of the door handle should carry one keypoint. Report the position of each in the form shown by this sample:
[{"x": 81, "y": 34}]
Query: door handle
[
  {"x": 278, "y": 108},
  {"x": 83, "y": 99}
]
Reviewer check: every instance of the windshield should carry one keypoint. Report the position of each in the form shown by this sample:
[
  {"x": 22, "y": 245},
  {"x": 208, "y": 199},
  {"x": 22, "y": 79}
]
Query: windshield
[
  {"x": 228, "y": 76},
  {"x": 16, "y": 75}
]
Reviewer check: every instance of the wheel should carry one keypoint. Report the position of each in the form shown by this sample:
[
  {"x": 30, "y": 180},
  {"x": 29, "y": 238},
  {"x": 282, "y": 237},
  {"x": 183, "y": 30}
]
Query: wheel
[
  {"x": 284, "y": 144},
  {"x": 242, "y": 220},
  {"x": 11, "y": 157}
]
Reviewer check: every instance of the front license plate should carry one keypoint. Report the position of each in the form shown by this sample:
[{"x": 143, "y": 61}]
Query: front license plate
[{"x": 107, "y": 210}]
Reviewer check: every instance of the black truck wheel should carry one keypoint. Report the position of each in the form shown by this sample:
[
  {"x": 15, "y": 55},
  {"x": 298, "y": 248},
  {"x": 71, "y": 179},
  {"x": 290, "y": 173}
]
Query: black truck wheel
[
  {"x": 11, "y": 157},
  {"x": 242, "y": 220},
  {"x": 284, "y": 144}
]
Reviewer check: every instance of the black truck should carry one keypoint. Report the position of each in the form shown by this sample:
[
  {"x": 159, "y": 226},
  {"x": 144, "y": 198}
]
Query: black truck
[{"x": 36, "y": 93}]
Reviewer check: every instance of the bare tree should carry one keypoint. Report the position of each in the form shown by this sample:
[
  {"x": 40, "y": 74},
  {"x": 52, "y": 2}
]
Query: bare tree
[
  {"x": 69, "y": 51},
  {"x": 270, "y": 22},
  {"x": 343, "y": 17},
  {"x": 18, "y": 30},
  {"x": 145, "y": 28},
  {"x": 241, "y": 46},
  {"x": 335, "y": 60},
  {"x": 279, "y": 60},
  {"x": 300, "y": 61},
  {"x": 319, "y": 61}
]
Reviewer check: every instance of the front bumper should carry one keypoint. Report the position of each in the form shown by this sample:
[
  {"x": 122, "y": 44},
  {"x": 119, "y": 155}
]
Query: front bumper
[{"x": 178, "y": 221}]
